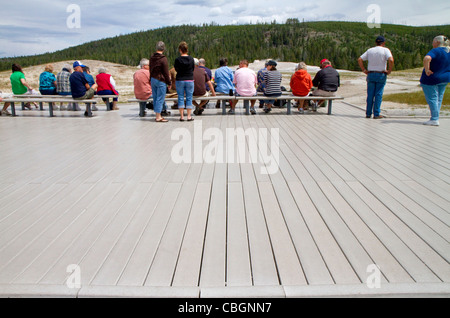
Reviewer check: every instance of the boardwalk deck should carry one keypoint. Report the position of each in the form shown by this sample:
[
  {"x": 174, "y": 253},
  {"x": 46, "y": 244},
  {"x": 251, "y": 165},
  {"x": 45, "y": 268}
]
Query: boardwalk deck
[{"x": 104, "y": 194}]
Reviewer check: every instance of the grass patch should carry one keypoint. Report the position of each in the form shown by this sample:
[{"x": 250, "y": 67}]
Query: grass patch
[{"x": 415, "y": 98}]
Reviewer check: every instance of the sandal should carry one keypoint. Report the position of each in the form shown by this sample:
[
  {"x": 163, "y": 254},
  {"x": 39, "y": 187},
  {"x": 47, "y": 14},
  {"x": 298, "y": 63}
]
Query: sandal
[
  {"x": 181, "y": 119},
  {"x": 191, "y": 119},
  {"x": 162, "y": 120}
]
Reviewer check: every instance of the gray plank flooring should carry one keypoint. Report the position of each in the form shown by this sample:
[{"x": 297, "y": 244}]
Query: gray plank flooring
[{"x": 105, "y": 194}]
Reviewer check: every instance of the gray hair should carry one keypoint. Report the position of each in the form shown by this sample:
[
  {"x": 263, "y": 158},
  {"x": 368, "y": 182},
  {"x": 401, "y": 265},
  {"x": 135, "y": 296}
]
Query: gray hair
[
  {"x": 302, "y": 66},
  {"x": 144, "y": 62},
  {"x": 202, "y": 61},
  {"x": 101, "y": 70},
  {"x": 67, "y": 67},
  {"x": 160, "y": 46},
  {"x": 443, "y": 42}
]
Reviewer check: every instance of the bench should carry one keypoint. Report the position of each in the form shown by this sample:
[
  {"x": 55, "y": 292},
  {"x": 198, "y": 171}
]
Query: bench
[
  {"x": 107, "y": 97},
  {"x": 50, "y": 101},
  {"x": 224, "y": 98}
]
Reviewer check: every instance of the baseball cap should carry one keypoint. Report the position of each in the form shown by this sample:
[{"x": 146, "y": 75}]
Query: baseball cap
[
  {"x": 272, "y": 62},
  {"x": 323, "y": 61},
  {"x": 78, "y": 63},
  {"x": 380, "y": 39}
]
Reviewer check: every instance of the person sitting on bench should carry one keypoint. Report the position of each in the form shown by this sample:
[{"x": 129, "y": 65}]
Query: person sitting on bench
[{"x": 79, "y": 85}]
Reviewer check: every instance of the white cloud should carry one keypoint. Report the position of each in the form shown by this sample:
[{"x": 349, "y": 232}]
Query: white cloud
[{"x": 45, "y": 20}]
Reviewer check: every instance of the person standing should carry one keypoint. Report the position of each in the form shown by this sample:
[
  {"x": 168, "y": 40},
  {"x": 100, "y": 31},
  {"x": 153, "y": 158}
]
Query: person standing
[
  {"x": 160, "y": 80},
  {"x": 378, "y": 57},
  {"x": 185, "y": 65},
  {"x": 436, "y": 76}
]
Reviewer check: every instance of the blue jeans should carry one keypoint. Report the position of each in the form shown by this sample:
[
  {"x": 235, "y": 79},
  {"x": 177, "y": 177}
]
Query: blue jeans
[
  {"x": 182, "y": 88},
  {"x": 434, "y": 94},
  {"x": 51, "y": 91},
  {"x": 375, "y": 90},
  {"x": 107, "y": 92},
  {"x": 159, "y": 94}
]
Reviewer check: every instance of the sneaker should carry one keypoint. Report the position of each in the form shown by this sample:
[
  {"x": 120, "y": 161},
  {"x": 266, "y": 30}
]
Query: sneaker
[
  {"x": 301, "y": 111},
  {"x": 314, "y": 106},
  {"x": 379, "y": 117},
  {"x": 231, "y": 112},
  {"x": 431, "y": 123},
  {"x": 94, "y": 108},
  {"x": 252, "y": 111},
  {"x": 63, "y": 108},
  {"x": 5, "y": 113}
]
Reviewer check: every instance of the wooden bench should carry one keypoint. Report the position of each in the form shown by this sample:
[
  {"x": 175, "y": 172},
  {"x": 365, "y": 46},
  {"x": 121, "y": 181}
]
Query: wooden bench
[
  {"x": 107, "y": 97},
  {"x": 224, "y": 98},
  {"x": 50, "y": 101}
]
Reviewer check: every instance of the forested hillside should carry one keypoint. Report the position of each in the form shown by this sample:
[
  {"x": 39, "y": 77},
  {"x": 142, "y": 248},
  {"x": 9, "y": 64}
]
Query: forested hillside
[{"x": 294, "y": 41}]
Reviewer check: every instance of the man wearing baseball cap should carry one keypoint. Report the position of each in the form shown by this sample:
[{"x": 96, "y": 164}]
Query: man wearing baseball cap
[
  {"x": 327, "y": 81},
  {"x": 79, "y": 85},
  {"x": 377, "y": 73}
]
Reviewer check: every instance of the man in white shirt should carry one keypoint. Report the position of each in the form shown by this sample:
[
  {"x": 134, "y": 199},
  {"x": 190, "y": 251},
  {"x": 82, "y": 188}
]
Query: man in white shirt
[
  {"x": 378, "y": 57},
  {"x": 246, "y": 81}
]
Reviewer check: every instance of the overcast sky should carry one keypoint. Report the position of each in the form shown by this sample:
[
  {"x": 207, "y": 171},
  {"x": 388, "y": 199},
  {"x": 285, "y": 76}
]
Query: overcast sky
[{"x": 30, "y": 27}]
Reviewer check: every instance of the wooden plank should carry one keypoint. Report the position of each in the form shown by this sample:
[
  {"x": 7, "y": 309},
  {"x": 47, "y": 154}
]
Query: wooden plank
[
  {"x": 405, "y": 239},
  {"x": 62, "y": 242},
  {"x": 164, "y": 264},
  {"x": 289, "y": 267},
  {"x": 139, "y": 263},
  {"x": 238, "y": 254},
  {"x": 264, "y": 270},
  {"x": 190, "y": 259}
]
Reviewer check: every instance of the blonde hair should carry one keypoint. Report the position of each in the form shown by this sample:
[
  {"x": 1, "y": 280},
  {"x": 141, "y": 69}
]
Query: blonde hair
[
  {"x": 443, "y": 42},
  {"x": 301, "y": 66},
  {"x": 49, "y": 68}
]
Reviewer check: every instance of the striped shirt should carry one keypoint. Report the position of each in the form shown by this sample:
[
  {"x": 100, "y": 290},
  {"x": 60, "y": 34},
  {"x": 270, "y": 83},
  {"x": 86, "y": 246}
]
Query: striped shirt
[
  {"x": 62, "y": 80},
  {"x": 273, "y": 83}
]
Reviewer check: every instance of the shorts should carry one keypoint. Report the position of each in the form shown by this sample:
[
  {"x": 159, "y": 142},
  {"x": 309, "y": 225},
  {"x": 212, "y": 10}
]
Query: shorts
[
  {"x": 89, "y": 95},
  {"x": 319, "y": 92}
]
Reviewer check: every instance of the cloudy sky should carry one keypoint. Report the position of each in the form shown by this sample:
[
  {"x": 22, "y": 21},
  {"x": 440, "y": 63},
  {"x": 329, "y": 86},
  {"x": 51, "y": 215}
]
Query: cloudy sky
[{"x": 30, "y": 27}]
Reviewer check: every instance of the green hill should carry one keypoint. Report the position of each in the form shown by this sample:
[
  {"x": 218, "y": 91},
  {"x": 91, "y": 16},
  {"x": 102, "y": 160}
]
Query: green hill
[{"x": 341, "y": 42}]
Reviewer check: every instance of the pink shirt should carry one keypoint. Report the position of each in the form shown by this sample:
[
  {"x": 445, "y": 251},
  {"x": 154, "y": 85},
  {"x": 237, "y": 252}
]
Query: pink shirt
[
  {"x": 142, "y": 85},
  {"x": 246, "y": 81}
]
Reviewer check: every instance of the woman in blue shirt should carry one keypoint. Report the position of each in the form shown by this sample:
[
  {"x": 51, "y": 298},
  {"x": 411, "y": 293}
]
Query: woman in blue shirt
[
  {"x": 436, "y": 76},
  {"x": 47, "y": 81}
]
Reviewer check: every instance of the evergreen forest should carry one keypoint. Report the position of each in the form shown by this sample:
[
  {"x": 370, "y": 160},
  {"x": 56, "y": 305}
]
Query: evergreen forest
[{"x": 293, "y": 41}]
